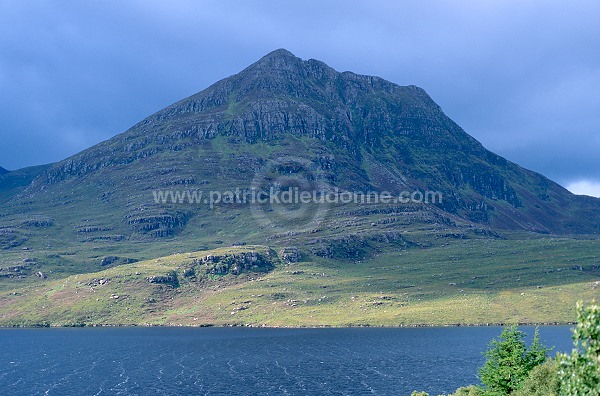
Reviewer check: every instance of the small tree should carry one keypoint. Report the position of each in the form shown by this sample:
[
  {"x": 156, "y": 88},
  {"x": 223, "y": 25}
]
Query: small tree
[
  {"x": 509, "y": 361},
  {"x": 579, "y": 373},
  {"x": 537, "y": 353}
]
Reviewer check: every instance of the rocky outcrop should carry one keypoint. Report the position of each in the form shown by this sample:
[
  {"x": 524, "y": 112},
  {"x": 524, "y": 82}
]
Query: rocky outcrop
[
  {"x": 290, "y": 254},
  {"x": 169, "y": 279},
  {"x": 237, "y": 263},
  {"x": 38, "y": 222},
  {"x": 11, "y": 238},
  {"x": 157, "y": 221},
  {"x": 110, "y": 260},
  {"x": 355, "y": 246},
  {"x": 234, "y": 263}
]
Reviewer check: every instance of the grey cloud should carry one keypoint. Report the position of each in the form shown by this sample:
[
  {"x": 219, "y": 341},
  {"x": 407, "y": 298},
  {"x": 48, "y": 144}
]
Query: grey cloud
[{"x": 520, "y": 77}]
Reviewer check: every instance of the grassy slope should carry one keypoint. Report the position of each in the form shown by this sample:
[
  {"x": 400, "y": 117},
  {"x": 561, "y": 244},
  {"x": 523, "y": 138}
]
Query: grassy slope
[{"x": 475, "y": 281}]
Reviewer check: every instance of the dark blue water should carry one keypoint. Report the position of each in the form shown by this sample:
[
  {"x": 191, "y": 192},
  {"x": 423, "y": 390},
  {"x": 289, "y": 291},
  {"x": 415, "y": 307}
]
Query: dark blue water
[{"x": 223, "y": 361}]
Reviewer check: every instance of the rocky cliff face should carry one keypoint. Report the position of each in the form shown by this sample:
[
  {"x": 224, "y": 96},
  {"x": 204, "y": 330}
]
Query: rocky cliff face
[{"x": 278, "y": 96}]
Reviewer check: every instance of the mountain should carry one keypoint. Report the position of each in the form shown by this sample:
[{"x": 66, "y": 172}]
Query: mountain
[
  {"x": 282, "y": 122},
  {"x": 154, "y": 225},
  {"x": 2, "y": 170}
]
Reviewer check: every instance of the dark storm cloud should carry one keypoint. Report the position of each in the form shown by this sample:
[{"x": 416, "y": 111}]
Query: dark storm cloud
[{"x": 522, "y": 77}]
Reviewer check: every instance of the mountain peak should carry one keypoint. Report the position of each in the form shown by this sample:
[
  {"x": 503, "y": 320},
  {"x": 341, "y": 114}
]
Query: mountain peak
[
  {"x": 278, "y": 59},
  {"x": 280, "y": 53}
]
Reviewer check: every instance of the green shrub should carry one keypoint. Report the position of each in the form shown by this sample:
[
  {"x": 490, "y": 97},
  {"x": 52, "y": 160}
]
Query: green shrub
[
  {"x": 509, "y": 361},
  {"x": 470, "y": 390},
  {"x": 542, "y": 381},
  {"x": 579, "y": 373}
]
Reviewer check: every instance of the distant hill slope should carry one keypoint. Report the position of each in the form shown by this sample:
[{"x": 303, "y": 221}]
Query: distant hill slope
[
  {"x": 2, "y": 170},
  {"x": 280, "y": 118},
  {"x": 12, "y": 183}
]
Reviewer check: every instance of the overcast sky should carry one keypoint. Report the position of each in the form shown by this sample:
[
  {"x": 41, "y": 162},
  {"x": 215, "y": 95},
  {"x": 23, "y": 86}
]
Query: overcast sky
[{"x": 523, "y": 77}]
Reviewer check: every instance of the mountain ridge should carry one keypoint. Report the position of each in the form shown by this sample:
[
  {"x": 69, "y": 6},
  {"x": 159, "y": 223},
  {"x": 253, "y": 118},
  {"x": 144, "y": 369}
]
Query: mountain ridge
[{"x": 282, "y": 95}]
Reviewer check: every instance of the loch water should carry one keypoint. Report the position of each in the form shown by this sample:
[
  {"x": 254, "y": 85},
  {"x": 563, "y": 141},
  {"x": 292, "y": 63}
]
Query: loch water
[{"x": 247, "y": 361}]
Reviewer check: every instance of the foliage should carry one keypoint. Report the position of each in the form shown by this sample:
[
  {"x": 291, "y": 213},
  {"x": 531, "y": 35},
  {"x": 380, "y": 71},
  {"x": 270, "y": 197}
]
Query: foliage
[
  {"x": 537, "y": 353},
  {"x": 542, "y": 381},
  {"x": 509, "y": 362},
  {"x": 579, "y": 372},
  {"x": 470, "y": 390}
]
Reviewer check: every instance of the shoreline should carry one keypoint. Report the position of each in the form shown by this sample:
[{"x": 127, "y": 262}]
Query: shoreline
[{"x": 410, "y": 326}]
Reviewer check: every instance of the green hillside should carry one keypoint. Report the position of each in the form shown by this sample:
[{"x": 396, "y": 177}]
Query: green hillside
[{"x": 482, "y": 281}]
